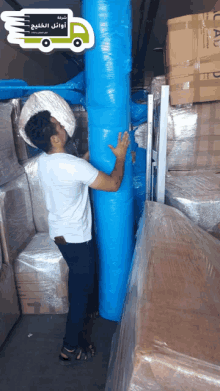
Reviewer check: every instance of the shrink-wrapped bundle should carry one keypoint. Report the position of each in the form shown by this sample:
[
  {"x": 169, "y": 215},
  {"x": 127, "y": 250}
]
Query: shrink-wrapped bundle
[
  {"x": 193, "y": 133},
  {"x": 55, "y": 104},
  {"x": 168, "y": 336},
  {"x": 140, "y": 135},
  {"x": 20, "y": 145},
  {"x": 197, "y": 195},
  {"x": 40, "y": 212},
  {"x": 16, "y": 217},
  {"x": 9, "y": 166},
  {"x": 41, "y": 276}
]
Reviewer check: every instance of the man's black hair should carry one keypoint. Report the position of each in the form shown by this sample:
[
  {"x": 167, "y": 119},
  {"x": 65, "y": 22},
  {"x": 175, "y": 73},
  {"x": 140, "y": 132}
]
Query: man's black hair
[{"x": 39, "y": 129}]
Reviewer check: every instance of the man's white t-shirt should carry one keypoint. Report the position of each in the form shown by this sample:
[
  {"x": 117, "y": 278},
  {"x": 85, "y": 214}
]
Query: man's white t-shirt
[{"x": 65, "y": 180}]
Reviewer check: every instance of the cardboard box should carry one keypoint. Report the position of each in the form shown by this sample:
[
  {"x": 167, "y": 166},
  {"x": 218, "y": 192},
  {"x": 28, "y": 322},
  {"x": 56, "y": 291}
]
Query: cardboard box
[
  {"x": 202, "y": 87},
  {"x": 39, "y": 295},
  {"x": 193, "y": 133},
  {"x": 193, "y": 58}
]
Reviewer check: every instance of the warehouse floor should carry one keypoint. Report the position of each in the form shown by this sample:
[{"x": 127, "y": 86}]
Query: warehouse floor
[{"x": 29, "y": 356}]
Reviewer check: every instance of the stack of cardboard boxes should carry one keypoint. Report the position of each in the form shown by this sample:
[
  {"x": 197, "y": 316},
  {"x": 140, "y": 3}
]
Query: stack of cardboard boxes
[{"x": 193, "y": 58}]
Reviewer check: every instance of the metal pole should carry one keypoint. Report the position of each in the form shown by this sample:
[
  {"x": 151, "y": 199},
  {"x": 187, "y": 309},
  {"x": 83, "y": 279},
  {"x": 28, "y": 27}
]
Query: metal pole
[
  {"x": 161, "y": 171},
  {"x": 149, "y": 147}
]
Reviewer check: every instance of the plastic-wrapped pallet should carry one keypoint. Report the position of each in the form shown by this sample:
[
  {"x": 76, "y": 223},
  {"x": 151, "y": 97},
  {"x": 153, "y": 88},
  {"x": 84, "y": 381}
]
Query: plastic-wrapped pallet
[
  {"x": 40, "y": 213},
  {"x": 168, "y": 336},
  {"x": 9, "y": 166},
  {"x": 41, "y": 275},
  {"x": 193, "y": 133},
  {"x": 16, "y": 218},
  {"x": 197, "y": 195}
]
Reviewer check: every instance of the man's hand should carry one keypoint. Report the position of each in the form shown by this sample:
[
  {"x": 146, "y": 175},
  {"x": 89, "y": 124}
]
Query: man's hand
[
  {"x": 121, "y": 149},
  {"x": 86, "y": 156}
]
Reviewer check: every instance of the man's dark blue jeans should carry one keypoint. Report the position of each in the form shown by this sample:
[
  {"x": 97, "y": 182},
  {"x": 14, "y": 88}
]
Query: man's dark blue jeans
[{"x": 81, "y": 262}]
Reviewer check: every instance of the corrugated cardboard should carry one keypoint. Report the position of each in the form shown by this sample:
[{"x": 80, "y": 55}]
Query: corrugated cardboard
[
  {"x": 37, "y": 297},
  {"x": 193, "y": 58},
  {"x": 193, "y": 133},
  {"x": 194, "y": 88}
]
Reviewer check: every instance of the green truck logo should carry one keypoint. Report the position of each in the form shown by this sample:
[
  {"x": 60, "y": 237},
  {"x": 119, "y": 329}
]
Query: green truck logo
[{"x": 48, "y": 29}]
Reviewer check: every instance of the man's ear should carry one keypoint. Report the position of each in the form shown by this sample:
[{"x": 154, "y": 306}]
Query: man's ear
[{"x": 54, "y": 139}]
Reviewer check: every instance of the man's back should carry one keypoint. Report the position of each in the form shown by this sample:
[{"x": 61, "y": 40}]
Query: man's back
[{"x": 65, "y": 180}]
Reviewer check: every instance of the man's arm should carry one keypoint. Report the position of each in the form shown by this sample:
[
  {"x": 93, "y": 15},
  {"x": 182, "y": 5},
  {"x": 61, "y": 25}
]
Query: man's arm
[
  {"x": 113, "y": 181},
  {"x": 86, "y": 156}
]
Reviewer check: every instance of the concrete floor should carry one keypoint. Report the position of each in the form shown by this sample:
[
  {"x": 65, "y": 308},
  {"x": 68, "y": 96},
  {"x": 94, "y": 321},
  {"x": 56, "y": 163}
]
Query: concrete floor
[{"x": 29, "y": 357}]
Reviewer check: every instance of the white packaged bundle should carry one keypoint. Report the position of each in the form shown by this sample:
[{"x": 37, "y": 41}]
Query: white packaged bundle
[{"x": 55, "y": 104}]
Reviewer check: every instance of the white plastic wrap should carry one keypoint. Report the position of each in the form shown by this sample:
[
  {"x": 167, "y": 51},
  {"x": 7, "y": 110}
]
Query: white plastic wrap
[
  {"x": 140, "y": 135},
  {"x": 20, "y": 145},
  {"x": 197, "y": 195},
  {"x": 193, "y": 133},
  {"x": 41, "y": 275},
  {"x": 55, "y": 104},
  {"x": 17, "y": 227},
  {"x": 40, "y": 213},
  {"x": 9, "y": 167},
  {"x": 168, "y": 336}
]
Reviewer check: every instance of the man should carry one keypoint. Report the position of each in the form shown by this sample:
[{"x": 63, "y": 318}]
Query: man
[{"x": 65, "y": 180}]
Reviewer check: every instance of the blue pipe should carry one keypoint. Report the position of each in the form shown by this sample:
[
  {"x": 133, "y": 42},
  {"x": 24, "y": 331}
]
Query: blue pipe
[
  {"x": 108, "y": 104},
  {"x": 73, "y": 91}
]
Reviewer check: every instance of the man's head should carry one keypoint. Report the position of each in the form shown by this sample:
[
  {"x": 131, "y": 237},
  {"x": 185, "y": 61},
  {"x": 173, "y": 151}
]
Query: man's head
[{"x": 46, "y": 132}]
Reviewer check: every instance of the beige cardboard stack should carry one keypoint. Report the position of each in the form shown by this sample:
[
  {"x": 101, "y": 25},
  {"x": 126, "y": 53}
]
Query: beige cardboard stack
[
  {"x": 16, "y": 213},
  {"x": 193, "y": 133},
  {"x": 12, "y": 153},
  {"x": 31, "y": 258},
  {"x": 41, "y": 274},
  {"x": 168, "y": 336},
  {"x": 193, "y": 149},
  {"x": 192, "y": 58}
]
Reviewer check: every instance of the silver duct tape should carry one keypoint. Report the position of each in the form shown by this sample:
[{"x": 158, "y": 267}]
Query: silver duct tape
[
  {"x": 20, "y": 146},
  {"x": 168, "y": 332},
  {"x": 41, "y": 275},
  {"x": 9, "y": 167},
  {"x": 17, "y": 227},
  {"x": 193, "y": 133},
  {"x": 198, "y": 197},
  {"x": 55, "y": 104},
  {"x": 40, "y": 213},
  {"x": 9, "y": 307},
  {"x": 140, "y": 135}
]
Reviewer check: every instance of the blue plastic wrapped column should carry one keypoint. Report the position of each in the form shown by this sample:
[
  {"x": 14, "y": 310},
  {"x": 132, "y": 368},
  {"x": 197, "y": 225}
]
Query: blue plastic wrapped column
[{"x": 107, "y": 99}]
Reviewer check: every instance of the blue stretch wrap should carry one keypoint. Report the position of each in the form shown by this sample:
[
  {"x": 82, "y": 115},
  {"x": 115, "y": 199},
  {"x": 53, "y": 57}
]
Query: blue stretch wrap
[{"x": 108, "y": 68}]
